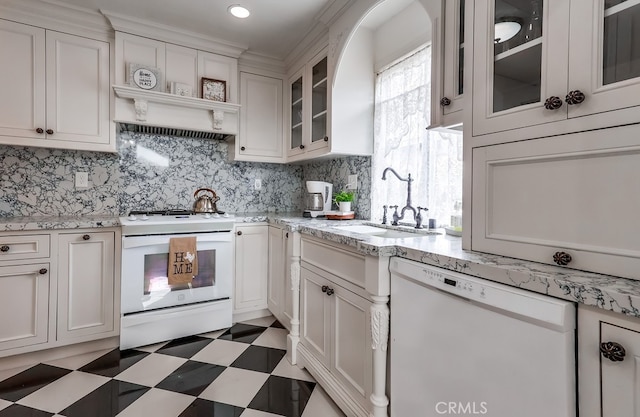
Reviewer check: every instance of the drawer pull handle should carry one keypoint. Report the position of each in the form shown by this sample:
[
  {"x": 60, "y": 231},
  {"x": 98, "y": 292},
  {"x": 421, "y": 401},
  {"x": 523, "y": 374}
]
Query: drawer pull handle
[
  {"x": 43, "y": 271},
  {"x": 612, "y": 351},
  {"x": 445, "y": 101},
  {"x": 574, "y": 97},
  {"x": 330, "y": 291},
  {"x": 325, "y": 288},
  {"x": 561, "y": 258},
  {"x": 4, "y": 248},
  {"x": 553, "y": 103},
  {"x": 49, "y": 131},
  {"x": 86, "y": 237}
]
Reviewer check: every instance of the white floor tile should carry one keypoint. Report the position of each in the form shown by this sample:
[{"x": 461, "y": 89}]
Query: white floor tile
[
  {"x": 320, "y": 405},
  {"x": 60, "y": 394},
  {"x": 255, "y": 413},
  {"x": 287, "y": 370},
  {"x": 273, "y": 337},
  {"x": 158, "y": 403},
  {"x": 151, "y": 348},
  {"x": 152, "y": 369},
  {"x": 213, "y": 335},
  {"x": 221, "y": 352},
  {"x": 76, "y": 362},
  {"x": 4, "y": 404},
  {"x": 235, "y": 386},
  {"x": 261, "y": 321}
]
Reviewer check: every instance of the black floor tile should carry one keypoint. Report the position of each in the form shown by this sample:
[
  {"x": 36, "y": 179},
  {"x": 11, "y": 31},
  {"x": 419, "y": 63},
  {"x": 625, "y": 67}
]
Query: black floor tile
[
  {"x": 240, "y": 332},
  {"x": 184, "y": 347},
  {"x": 204, "y": 408},
  {"x": 259, "y": 358},
  {"x": 277, "y": 324},
  {"x": 17, "y": 410},
  {"x": 114, "y": 362},
  {"x": 29, "y": 380},
  {"x": 191, "y": 377},
  {"x": 283, "y": 396},
  {"x": 106, "y": 401}
]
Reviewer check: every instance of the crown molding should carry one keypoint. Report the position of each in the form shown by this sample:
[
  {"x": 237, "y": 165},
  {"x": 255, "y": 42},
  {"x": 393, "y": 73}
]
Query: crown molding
[
  {"x": 311, "y": 44},
  {"x": 169, "y": 34},
  {"x": 54, "y": 15},
  {"x": 252, "y": 61},
  {"x": 333, "y": 11}
]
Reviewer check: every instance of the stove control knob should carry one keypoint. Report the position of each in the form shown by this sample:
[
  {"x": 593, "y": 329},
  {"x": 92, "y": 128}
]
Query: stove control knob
[
  {"x": 216, "y": 215},
  {"x": 225, "y": 215},
  {"x": 133, "y": 217},
  {"x": 144, "y": 217},
  {"x": 207, "y": 215}
]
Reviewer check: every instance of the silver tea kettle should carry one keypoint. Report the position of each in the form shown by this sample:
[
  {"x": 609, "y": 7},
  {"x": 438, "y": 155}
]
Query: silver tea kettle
[{"x": 205, "y": 203}]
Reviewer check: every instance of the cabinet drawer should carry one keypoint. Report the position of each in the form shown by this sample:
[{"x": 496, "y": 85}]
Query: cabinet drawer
[
  {"x": 335, "y": 260},
  {"x": 574, "y": 194},
  {"x": 24, "y": 247}
]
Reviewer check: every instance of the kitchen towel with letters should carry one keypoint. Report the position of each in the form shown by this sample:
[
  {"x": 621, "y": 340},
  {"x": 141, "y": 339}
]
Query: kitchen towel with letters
[{"x": 183, "y": 260}]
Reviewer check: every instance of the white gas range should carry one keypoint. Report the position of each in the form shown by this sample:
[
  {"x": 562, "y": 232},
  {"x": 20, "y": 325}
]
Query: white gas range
[{"x": 154, "y": 311}]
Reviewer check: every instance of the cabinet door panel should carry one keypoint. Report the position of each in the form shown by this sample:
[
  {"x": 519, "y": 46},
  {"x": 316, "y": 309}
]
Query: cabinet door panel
[
  {"x": 77, "y": 88},
  {"x": 315, "y": 315},
  {"x": 352, "y": 360},
  {"x": 85, "y": 284},
  {"x": 22, "y": 79},
  {"x": 620, "y": 380},
  {"x": 222, "y": 68},
  {"x": 24, "y": 302},
  {"x": 137, "y": 50},
  {"x": 182, "y": 67},
  {"x": 261, "y": 116},
  {"x": 526, "y": 196},
  {"x": 275, "y": 295},
  {"x": 252, "y": 264}
]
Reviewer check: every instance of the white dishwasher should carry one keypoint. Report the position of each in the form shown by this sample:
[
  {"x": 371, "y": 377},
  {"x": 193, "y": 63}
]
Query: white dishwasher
[{"x": 466, "y": 346}]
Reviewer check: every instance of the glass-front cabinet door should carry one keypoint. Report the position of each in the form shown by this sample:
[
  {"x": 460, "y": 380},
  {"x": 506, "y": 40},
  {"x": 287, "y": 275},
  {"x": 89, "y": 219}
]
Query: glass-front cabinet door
[
  {"x": 604, "y": 63},
  {"x": 319, "y": 101},
  {"x": 522, "y": 65},
  {"x": 453, "y": 77},
  {"x": 296, "y": 125}
]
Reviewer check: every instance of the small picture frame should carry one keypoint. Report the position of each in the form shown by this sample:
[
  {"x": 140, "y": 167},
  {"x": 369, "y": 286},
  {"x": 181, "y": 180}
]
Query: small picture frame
[
  {"x": 180, "y": 89},
  {"x": 145, "y": 77},
  {"x": 215, "y": 90}
]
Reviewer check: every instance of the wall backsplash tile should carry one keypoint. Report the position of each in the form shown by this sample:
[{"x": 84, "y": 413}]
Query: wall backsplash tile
[{"x": 154, "y": 172}]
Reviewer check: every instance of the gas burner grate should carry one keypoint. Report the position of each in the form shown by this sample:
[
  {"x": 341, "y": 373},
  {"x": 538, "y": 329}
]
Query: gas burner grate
[{"x": 167, "y": 212}]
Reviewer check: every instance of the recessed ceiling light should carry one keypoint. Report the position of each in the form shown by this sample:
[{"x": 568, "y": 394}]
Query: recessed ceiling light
[{"x": 238, "y": 11}]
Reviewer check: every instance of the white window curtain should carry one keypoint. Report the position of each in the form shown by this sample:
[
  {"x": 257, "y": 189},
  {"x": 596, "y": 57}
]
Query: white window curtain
[{"x": 401, "y": 141}]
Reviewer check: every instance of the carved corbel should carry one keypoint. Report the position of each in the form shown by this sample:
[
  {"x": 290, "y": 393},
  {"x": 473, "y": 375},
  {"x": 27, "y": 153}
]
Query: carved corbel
[
  {"x": 141, "y": 109},
  {"x": 218, "y": 119}
]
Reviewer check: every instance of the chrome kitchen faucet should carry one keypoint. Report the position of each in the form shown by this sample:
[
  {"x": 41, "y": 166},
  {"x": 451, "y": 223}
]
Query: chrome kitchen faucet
[{"x": 396, "y": 217}]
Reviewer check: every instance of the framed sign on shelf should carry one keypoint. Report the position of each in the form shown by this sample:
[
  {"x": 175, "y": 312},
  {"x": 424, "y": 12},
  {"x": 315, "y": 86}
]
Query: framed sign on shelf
[
  {"x": 215, "y": 90},
  {"x": 145, "y": 77}
]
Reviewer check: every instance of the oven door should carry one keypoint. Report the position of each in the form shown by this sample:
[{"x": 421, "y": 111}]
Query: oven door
[{"x": 144, "y": 272}]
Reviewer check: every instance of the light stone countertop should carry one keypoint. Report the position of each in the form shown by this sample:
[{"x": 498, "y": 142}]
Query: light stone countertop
[{"x": 607, "y": 292}]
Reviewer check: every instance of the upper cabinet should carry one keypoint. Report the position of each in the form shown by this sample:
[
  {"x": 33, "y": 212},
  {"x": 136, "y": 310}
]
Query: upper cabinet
[
  {"x": 567, "y": 59},
  {"x": 56, "y": 89},
  {"x": 308, "y": 122}
]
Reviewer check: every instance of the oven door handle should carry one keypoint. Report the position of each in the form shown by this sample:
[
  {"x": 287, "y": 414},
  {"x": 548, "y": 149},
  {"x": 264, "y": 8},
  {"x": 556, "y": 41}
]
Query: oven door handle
[
  {"x": 160, "y": 315},
  {"x": 129, "y": 242}
]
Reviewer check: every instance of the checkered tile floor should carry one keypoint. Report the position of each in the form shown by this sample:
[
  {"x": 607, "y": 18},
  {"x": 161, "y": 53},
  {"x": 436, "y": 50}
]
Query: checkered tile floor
[{"x": 241, "y": 371}]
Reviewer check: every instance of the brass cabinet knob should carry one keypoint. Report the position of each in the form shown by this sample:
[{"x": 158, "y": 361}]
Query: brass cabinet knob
[
  {"x": 40, "y": 130},
  {"x": 445, "y": 101},
  {"x": 561, "y": 258},
  {"x": 4, "y": 248},
  {"x": 43, "y": 271},
  {"x": 50, "y": 131},
  {"x": 86, "y": 237},
  {"x": 612, "y": 351},
  {"x": 553, "y": 103},
  {"x": 574, "y": 97}
]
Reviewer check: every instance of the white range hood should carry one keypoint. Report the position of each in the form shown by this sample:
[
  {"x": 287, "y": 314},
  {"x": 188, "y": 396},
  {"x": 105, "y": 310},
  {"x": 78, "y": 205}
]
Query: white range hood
[{"x": 162, "y": 113}]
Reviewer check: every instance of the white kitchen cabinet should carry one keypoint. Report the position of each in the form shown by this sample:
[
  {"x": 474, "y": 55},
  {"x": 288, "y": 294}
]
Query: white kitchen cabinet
[
  {"x": 56, "y": 89},
  {"x": 261, "y": 134},
  {"x": 219, "y": 67},
  {"x": 608, "y": 358},
  {"x": 132, "y": 49},
  {"x": 564, "y": 47},
  {"x": 315, "y": 315},
  {"x": 275, "y": 288},
  {"x": 566, "y": 194},
  {"x": 252, "y": 263},
  {"x": 309, "y": 111},
  {"x": 86, "y": 284}
]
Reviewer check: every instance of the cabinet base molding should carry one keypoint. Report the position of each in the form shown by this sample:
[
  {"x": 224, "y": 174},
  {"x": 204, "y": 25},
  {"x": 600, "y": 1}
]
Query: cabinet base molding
[
  {"x": 349, "y": 405},
  {"x": 33, "y": 358},
  {"x": 250, "y": 315}
]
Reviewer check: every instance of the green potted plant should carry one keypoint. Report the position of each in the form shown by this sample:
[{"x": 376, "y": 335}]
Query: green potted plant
[{"x": 344, "y": 199}]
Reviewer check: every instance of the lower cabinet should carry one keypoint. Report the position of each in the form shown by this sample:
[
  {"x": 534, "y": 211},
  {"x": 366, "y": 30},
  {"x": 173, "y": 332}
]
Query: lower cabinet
[
  {"x": 58, "y": 288},
  {"x": 564, "y": 199},
  {"x": 85, "y": 284},
  {"x": 608, "y": 363},
  {"x": 282, "y": 247},
  {"x": 252, "y": 262}
]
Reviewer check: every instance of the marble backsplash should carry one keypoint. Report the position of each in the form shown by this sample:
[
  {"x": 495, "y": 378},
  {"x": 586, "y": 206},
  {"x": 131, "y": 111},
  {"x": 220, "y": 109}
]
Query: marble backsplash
[{"x": 154, "y": 172}]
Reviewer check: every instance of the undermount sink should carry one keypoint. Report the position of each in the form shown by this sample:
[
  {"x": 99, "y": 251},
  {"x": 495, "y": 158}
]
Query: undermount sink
[{"x": 377, "y": 231}]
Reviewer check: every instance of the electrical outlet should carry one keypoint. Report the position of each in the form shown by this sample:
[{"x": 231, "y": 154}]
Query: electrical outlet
[
  {"x": 82, "y": 180},
  {"x": 352, "y": 182},
  {"x": 257, "y": 184}
]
